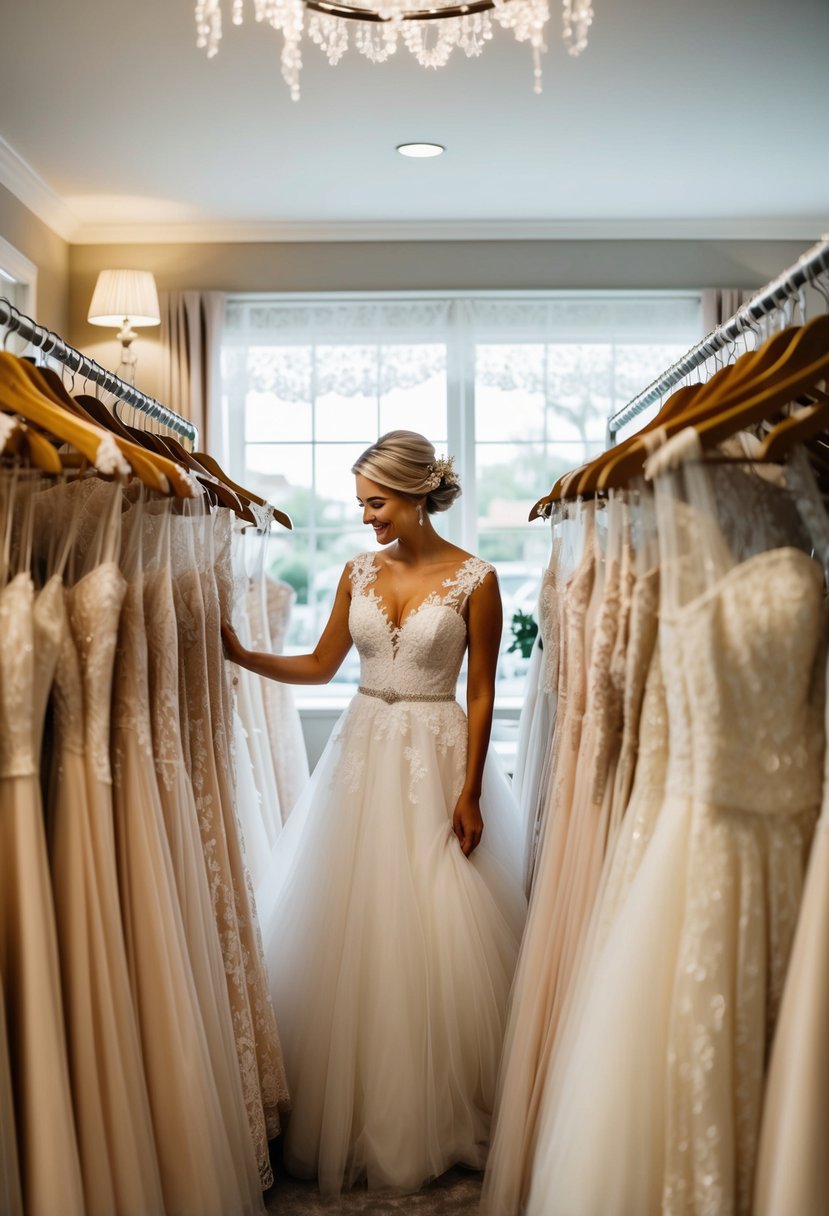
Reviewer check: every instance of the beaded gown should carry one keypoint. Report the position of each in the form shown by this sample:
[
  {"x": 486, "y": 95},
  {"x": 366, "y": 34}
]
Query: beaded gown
[{"x": 390, "y": 953}]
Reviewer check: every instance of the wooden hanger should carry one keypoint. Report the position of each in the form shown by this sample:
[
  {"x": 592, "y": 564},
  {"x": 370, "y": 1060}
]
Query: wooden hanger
[
  {"x": 790, "y": 365},
  {"x": 145, "y": 465},
  {"x": 804, "y": 423},
  {"x": 763, "y": 405},
  {"x": 218, "y": 494},
  {"x": 29, "y": 445},
  {"x": 596, "y": 473},
  {"x": 18, "y": 396},
  {"x": 213, "y": 466},
  {"x": 610, "y": 469},
  {"x": 613, "y": 470}
]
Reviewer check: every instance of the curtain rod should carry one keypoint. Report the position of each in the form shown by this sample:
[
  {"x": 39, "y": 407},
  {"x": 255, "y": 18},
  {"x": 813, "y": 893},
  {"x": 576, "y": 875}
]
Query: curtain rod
[
  {"x": 17, "y": 322},
  {"x": 813, "y": 263}
]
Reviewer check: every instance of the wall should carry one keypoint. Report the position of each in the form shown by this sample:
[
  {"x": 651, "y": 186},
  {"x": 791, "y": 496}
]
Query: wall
[
  {"x": 50, "y": 253},
  {"x": 414, "y": 265}
]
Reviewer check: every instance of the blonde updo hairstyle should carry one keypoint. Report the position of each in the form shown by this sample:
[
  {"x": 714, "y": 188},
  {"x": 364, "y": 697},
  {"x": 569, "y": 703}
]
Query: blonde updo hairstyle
[{"x": 406, "y": 462}]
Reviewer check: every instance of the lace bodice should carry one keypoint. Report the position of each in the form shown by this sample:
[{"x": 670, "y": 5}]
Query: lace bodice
[
  {"x": 745, "y": 654},
  {"x": 423, "y": 655},
  {"x": 16, "y": 678},
  {"x": 94, "y": 610}
]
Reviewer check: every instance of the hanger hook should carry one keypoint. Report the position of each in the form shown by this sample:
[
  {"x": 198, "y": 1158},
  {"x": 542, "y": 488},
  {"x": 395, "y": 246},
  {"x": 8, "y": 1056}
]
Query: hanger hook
[
  {"x": 13, "y": 323},
  {"x": 821, "y": 286}
]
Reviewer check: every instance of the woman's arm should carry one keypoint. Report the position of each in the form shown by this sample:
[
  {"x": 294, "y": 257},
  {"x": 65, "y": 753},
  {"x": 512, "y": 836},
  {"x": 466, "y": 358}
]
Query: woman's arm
[
  {"x": 316, "y": 668},
  {"x": 484, "y": 632}
]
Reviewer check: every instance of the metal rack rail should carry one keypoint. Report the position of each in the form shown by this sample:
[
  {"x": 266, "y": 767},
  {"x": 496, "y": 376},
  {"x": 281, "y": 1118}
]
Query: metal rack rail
[
  {"x": 14, "y": 321},
  {"x": 811, "y": 266}
]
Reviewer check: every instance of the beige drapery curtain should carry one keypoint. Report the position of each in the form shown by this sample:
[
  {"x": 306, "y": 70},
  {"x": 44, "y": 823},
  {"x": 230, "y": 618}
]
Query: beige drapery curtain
[
  {"x": 191, "y": 336},
  {"x": 718, "y": 304}
]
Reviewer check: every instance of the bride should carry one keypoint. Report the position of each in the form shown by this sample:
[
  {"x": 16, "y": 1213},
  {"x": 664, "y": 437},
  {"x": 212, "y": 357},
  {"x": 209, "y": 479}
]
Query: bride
[{"x": 392, "y": 907}]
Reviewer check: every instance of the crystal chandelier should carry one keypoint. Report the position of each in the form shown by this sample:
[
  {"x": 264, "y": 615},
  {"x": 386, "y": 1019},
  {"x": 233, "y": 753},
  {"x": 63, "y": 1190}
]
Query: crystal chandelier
[{"x": 429, "y": 33}]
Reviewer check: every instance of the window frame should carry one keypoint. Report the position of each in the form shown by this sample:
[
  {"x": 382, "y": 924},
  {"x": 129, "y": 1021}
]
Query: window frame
[{"x": 462, "y": 521}]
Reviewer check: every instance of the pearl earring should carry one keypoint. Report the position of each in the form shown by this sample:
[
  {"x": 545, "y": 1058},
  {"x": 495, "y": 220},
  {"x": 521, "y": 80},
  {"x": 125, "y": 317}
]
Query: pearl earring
[{"x": 420, "y": 515}]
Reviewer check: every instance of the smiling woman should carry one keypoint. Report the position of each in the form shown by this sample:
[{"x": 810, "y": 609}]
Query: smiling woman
[{"x": 391, "y": 921}]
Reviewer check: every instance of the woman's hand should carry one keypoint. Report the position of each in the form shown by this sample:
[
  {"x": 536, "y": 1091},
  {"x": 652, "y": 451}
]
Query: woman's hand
[
  {"x": 467, "y": 823},
  {"x": 233, "y": 647}
]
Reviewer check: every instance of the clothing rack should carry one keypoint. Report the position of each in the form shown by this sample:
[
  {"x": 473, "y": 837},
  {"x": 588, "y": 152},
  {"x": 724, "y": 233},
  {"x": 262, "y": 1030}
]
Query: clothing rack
[
  {"x": 55, "y": 348},
  {"x": 813, "y": 263}
]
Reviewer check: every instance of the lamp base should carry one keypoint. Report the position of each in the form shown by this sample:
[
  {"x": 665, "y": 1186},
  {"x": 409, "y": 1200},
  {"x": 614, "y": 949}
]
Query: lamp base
[{"x": 126, "y": 368}]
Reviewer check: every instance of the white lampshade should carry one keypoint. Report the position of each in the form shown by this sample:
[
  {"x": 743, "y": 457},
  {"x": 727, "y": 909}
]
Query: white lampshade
[{"x": 120, "y": 294}]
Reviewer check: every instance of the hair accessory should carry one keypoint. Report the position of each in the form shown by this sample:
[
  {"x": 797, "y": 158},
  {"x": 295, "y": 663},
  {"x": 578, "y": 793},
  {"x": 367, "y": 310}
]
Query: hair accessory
[{"x": 441, "y": 470}]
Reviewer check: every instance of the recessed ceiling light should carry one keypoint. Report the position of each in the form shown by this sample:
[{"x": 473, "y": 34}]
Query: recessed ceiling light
[{"x": 420, "y": 149}]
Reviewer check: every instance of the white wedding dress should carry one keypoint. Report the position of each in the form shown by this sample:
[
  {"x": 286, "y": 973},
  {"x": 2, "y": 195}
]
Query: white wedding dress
[{"x": 390, "y": 953}]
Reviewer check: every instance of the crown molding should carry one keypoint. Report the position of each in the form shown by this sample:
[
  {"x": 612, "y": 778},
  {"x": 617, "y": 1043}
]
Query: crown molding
[
  {"x": 18, "y": 176},
  {"x": 771, "y": 229}
]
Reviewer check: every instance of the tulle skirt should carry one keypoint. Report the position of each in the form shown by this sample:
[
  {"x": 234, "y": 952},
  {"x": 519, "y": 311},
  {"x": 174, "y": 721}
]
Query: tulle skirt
[
  {"x": 659, "y": 1073},
  {"x": 793, "y": 1164},
  {"x": 390, "y": 953}
]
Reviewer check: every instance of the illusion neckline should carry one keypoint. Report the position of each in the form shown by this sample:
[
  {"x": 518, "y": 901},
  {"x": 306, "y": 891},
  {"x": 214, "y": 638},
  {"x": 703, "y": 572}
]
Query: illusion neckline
[{"x": 433, "y": 598}]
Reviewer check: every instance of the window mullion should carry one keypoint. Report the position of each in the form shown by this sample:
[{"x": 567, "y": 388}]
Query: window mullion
[
  {"x": 460, "y": 424},
  {"x": 312, "y": 506}
]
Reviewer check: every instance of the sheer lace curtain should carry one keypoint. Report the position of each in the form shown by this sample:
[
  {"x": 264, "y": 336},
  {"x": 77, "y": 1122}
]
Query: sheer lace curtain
[
  {"x": 191, "y": 339},
  {"x": 365, "y": 348},
  {"x": 718, "y": 304}
]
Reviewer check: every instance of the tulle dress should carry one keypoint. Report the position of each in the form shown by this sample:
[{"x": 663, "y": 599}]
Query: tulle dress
[
  {"x": 284, "y": 726},
  {"x": 120, "y": 1168},
  {"x": 528, "y": 1041},
  {"x": 390, "y": 953},
  {"x": 653, "y": 1107},
  {"x": 202, "y": 714},
  {"x": 50, "y": 1175},
  {"x": 199, "y": 1168},
  {"x": 793, "y": 1164},
  {"x": 538, "y": 713}
]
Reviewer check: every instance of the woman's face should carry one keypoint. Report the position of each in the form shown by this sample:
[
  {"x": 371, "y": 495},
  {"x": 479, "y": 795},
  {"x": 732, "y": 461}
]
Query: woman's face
[{"x": 390, "y": 514}]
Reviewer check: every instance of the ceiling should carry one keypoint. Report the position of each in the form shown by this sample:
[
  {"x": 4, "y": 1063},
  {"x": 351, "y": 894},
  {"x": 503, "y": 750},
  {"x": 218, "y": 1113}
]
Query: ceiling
[{"x": 682, "y": 117}]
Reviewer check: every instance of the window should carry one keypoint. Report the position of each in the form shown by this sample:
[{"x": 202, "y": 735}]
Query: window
[
  {"x": 18, "y": 285},
  {"x": 518, "y": 389}
]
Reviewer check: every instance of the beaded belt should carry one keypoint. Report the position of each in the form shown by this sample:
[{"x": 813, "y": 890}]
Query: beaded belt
[{"x": 391, "y": 697}]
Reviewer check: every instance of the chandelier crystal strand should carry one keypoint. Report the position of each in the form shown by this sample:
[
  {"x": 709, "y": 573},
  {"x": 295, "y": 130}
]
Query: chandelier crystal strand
[
  {"x": 577, "y": 17},
  {"x": 330, "y": 35},
  {"x": 208, "y": 26},
  {"x": 377, "y": 42},
  {"x": 430, "y": 35}
]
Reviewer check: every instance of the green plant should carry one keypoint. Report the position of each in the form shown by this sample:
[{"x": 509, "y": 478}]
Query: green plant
[{"x": 524, "y": 630}]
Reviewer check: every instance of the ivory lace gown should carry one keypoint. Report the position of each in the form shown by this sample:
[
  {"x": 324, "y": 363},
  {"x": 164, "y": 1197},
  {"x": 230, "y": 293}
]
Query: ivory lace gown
[
  {"x": 201, "y": 701},
  {"x": 657, "y": 1105},
  {"x": 50, "y": 1173},
  {"x": 538, "y": 713},
  {"x": 178, "y": 805},
  {"x": 198, "y": 1171},
  {"x": 527, "y": 1043},
  {"x": 390, "y": 953},
  {"x": 118, "y": 1156},
  {"x": 793, "y": 1163},
  {"x": 284, "y": 726}
]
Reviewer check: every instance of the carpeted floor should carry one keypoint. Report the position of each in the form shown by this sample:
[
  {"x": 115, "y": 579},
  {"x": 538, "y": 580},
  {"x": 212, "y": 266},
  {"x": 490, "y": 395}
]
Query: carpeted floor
[{"x": 457, "y": 1193}]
